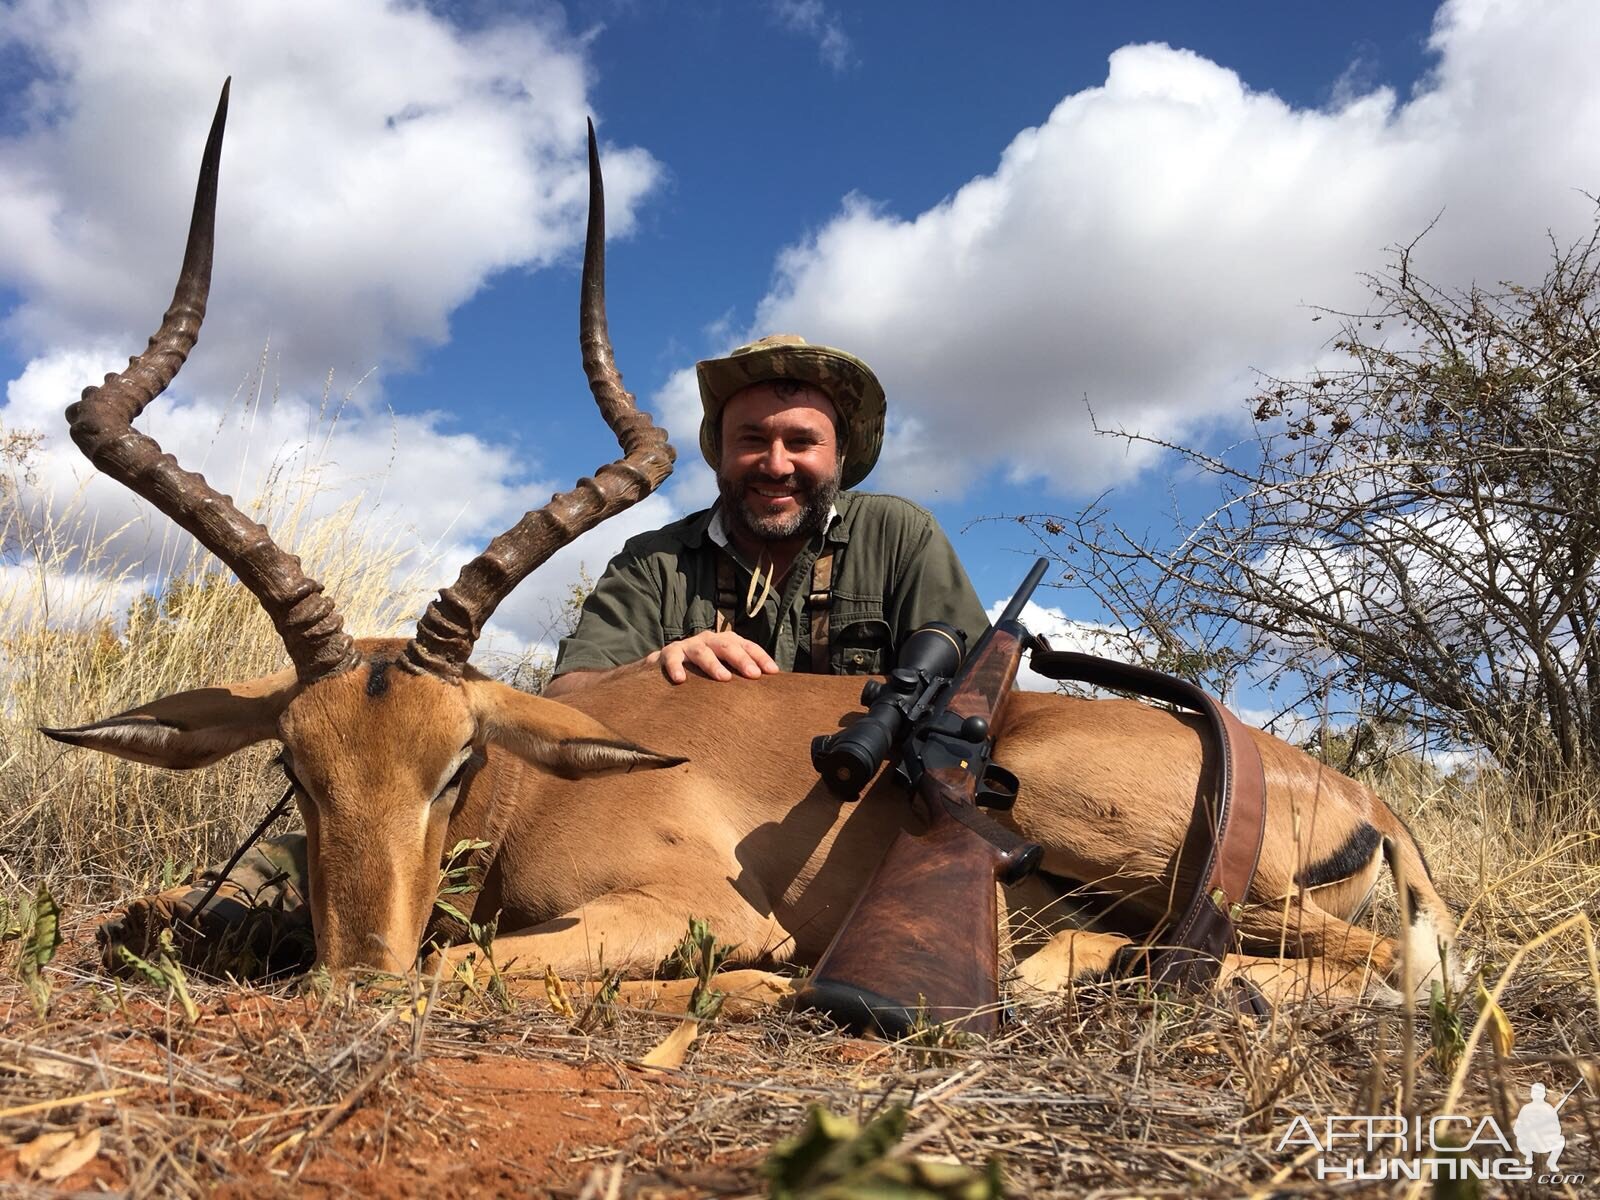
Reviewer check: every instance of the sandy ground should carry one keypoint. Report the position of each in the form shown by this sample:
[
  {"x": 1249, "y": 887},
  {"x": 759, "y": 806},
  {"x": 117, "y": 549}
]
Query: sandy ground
[{"x": 295, "y": 1090}]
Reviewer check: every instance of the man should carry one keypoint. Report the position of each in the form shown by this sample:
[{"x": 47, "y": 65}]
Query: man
[{"x": 789, "y": 570}]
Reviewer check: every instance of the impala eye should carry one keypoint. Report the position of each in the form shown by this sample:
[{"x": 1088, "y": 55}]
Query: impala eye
[{"x": 455, "y": 780}]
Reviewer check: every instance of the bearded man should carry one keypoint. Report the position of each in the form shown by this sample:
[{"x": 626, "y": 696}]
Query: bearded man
[{"x": 789, "y": 570}]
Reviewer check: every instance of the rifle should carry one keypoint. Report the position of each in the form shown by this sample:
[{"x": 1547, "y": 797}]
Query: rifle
[{"x": 922, "y": 939}]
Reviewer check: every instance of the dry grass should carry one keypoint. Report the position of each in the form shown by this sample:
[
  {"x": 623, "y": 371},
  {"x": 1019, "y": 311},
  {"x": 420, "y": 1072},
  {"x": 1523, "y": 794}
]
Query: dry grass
[
  {"x": 74, "y": 649},
  {"x": 1100, "y": 1092},
  {"x": 293, "y": 1089}
]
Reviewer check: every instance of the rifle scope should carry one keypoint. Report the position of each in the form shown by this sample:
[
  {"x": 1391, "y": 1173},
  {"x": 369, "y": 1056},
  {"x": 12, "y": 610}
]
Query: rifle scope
[{"x": 848, "y": 760}]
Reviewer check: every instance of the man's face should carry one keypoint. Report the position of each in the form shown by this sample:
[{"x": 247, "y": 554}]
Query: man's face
[{"x": 779, "y": 471}]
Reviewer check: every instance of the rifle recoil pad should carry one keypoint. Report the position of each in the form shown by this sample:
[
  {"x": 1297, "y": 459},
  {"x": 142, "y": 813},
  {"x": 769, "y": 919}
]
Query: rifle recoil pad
[{"x": 847, "y": 760}]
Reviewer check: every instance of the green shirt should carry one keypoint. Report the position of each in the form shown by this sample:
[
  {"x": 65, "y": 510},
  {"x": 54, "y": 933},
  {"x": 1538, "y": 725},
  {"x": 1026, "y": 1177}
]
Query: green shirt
[{"x": 893, "y": 571}]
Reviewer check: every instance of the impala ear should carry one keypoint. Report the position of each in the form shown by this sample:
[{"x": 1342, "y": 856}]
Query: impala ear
[
  {"x": 554, "y": 736},
  {"x": 190, "y": 729}
]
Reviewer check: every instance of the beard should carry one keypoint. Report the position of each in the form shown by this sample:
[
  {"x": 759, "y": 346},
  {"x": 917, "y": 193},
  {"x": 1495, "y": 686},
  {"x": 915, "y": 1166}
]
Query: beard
[{"x": 813, "y": 502}]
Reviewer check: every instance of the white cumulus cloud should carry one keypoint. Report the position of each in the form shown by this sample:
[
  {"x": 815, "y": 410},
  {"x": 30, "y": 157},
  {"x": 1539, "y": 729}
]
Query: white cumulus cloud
[
  {"x": 1063, "y": 633},
  {"x": 812, "y": 19},
  {"x": 363, "y": 196},
  {"x": 1159, "y": 237}
]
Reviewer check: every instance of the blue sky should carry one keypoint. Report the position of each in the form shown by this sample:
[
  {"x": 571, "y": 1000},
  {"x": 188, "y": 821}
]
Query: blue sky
[{"x": 1008, "y": 212}]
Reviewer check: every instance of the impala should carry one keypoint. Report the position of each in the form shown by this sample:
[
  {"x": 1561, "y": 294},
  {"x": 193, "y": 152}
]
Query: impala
[{"x": 398, "y": 748}]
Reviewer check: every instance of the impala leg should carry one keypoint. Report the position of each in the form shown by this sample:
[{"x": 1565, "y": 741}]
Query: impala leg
[
  {"x": 1307, "y": 931},
  {"x": 1078, "y": 956},
  {"x": 1345, "y": 950},
  {"x": 1294, "y": 980},
  {"x": 1072, "y": 956},
  {"x": 631, "y": 931}
]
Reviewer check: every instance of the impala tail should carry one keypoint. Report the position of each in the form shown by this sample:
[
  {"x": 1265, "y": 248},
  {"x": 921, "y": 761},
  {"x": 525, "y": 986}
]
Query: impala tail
[{"x": 1430, "y": 935}]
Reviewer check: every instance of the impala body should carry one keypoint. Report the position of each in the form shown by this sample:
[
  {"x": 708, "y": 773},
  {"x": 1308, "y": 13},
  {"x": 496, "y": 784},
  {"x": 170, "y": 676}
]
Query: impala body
[{"x": 612, "y": 817}]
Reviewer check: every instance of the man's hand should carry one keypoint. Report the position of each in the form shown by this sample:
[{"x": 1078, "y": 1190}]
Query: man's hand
[{"x": 717, "y": 655}]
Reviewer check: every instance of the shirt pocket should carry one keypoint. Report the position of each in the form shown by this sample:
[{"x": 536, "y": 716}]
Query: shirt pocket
[
  {"x": 700, "y": 616},
  {"x": 862, "y": 646}
]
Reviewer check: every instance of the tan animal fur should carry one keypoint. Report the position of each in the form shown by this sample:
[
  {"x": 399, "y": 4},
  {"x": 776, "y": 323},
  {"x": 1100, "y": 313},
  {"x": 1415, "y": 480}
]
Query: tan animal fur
[{"x": 732, "y": 824}]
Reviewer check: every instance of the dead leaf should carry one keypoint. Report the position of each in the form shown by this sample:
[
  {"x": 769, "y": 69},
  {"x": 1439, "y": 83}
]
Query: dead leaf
[
  {"x": 556, "y": 992},
  {"x": 1505, "y": 1038},
  {"x": 42, "y": 1148},
  {"x": 54, "y": 1069},
  {"x": 672, "y": 1048},
  {"x": 1280, "y": 1067},
  {"x": 288, "y": 1143},
  {"x": 1201, "y": 1045},
  {"x": 75, "y": 1155},
  {"x": 54, "y": 1156}
]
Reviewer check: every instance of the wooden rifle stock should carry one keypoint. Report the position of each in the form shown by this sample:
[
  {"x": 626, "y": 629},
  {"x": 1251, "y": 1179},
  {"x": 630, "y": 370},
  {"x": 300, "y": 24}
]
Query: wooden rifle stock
[{"x": 922, "y": 938}]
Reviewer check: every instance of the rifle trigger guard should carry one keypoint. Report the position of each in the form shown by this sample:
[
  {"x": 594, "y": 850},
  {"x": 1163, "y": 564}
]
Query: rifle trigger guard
[{"x": 997, "y": 789}]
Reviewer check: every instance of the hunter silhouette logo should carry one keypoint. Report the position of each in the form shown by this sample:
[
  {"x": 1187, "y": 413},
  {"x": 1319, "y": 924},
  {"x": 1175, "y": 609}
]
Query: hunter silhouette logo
[
  {"x": 1450, "y": 1146},
  {"x": 1538, "y": 1127}
]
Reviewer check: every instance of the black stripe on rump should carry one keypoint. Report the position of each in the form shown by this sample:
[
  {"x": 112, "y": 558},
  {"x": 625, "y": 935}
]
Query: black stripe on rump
[{"x": 1344, "y": 862}]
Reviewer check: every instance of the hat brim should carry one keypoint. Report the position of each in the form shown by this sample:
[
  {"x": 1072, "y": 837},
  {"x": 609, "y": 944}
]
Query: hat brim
[{"x": 857, "y": 396}]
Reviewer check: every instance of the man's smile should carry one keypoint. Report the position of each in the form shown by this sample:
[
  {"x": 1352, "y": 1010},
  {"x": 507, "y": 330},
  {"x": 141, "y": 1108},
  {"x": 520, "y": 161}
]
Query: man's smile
[{"x": 774, "y": 493}]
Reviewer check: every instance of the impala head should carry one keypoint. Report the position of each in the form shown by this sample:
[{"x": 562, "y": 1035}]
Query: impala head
[{"x": 378, "y": 735}]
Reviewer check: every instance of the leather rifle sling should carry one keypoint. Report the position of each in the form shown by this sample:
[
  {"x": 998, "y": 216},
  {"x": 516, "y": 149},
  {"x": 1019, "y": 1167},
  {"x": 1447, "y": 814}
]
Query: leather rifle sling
[
  {"x": 819, "y": 603},
  {"x": 727, "y": 597},
  {"x": 1223, "y": 843}
]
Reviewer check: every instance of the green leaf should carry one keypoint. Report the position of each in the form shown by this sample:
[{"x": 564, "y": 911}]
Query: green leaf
[
  {"x": 143, "y": 968},
  {"x": 177, "y": 981},
  {"x": 456, "y": 877},
  {"x": 832, "y": 1158},
  {"x": 163, "y": 972},
  {"x": 46, "y": 937}
]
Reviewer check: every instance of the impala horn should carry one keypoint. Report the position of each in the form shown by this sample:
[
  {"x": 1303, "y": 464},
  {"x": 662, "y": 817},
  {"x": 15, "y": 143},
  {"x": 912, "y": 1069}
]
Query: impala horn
[
  {"x": 102, "y": 421},
  {"x": 452, "y": 623}
]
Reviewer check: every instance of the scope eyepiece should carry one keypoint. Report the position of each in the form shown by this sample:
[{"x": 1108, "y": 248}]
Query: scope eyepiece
[{"x": 848, "y": 760}]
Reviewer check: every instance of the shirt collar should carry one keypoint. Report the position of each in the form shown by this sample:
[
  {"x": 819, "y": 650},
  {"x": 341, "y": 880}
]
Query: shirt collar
[{"x": 717, "y": 529}]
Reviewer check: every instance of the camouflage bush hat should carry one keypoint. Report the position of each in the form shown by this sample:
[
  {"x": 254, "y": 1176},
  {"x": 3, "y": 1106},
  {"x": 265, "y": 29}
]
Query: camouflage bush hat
[{"x": 855, "y": 391}]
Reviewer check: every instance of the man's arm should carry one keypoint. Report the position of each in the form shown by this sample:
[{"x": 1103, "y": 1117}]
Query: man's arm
[
  {"x": 619, "y": 623},
  {"x": 933, "y": 586}
]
